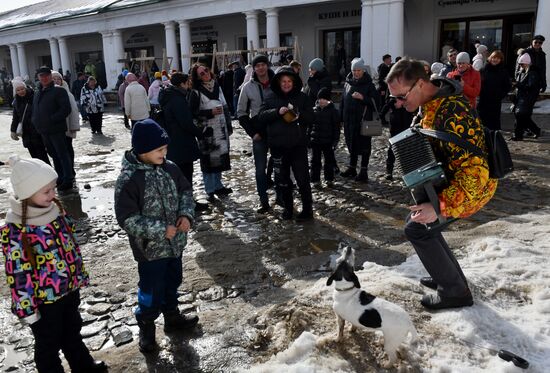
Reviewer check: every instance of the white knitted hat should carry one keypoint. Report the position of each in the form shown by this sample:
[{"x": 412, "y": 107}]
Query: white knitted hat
[
  {"x": 28, "y": 176},
  {"x": 525, "y": 59},
  {"x": 463, "y": 57}
]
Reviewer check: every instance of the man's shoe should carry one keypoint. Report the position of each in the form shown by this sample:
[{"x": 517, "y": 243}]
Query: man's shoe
[
  {"x": 264, "y": 208},
  {"x": 428, "y": 282},
  {"x": 349, "y": 172},
  {"x": 223, "y": 191},
  {"x": 437, "y": 302},
  {"x": 97, "y": 366},
  {"x": 199, "y": 206},
  {"x": 147, "y": 341},
  {"x": 175, "y": 321},
  {"x": 305, "y": 215}
]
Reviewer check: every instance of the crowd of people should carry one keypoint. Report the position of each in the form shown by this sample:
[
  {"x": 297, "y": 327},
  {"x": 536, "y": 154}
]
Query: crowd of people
[{"x": 178, "y": 118}]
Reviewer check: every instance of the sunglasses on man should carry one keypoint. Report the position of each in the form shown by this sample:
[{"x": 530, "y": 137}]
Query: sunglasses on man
[{"x": 404, "y": 97}]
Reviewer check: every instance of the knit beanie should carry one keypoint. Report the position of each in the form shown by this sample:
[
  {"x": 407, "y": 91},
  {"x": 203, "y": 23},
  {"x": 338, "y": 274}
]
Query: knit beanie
[
  {"x": 28, "y": 176},
  {"x": 131, "y": 77},
  {"x": 317, "y": 64},
  {"x": 260, "y": 58},
  {"x": 324, "y": 93},
  {"x": 463, "y": 57},
  {"x": 358, "y": 64},
  {"x": 158, "y": 75},
  {"x": 177, "y": 78},
  {"x": 524, "y": 59},
  {"x": 147, "y": 135},
  {"x": 56, "y": 74},
  {"x": 125, "y": 72}
]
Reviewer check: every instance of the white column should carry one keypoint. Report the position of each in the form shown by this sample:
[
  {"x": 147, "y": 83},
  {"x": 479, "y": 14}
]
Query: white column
[
  {"x": 23, "y": 68},
  {"x": 14, "y": 60},
  {"x": 118, "y": 50},
  {"x": 252, "y": 33},
  {"x": 172, "y": 44},
  {"x": 272, "y": 28},
  {"x": 542, "y": 27},
  {"x": 185, "y": 44},
  {"x": 396, "y": 31},
  {"x": 366, "y": 32},
  {"x": 54, "y": 50},
  {"x": 109, "y": 59},
  {"x": 65, "y": 57}
]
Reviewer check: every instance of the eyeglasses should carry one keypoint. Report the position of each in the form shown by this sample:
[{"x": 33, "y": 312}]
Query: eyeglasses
[
  {"x": 404, "y": 97},
  {"x": 537, "y": 42},
  {"x": 203, "y": 72}
]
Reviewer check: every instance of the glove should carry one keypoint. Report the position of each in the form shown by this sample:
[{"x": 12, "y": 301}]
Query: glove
[
  {"x": 208, "y": 132},
  {"x": 14, "y": 136}
]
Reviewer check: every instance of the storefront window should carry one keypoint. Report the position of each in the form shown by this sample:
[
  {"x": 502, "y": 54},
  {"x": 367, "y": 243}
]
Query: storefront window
[
  {"x": 453, "y": 36},
  {"x": 488, "y": 33},
  {"x": 339, "y": 48}
]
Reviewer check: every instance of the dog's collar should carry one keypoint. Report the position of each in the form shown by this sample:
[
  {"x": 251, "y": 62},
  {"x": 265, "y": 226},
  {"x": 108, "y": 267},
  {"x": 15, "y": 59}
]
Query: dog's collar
[{"x": 346, "y": 289}]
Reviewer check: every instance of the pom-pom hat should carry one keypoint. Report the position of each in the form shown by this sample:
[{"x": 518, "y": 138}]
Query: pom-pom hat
[{"x": 28, "y": 176}]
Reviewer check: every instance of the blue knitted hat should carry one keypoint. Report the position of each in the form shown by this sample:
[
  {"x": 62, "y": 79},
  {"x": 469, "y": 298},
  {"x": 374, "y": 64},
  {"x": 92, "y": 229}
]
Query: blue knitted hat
[
  {"x": 147, "y": 135},
  {"x": 317, "y": 64}
]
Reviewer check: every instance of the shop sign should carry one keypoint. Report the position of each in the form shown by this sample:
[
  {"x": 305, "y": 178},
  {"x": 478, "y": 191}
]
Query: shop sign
[
  {"x": 137, "y": 38},
  {"x": 444, "y": 3},
  {"x": 340, "y": 14},
  {"x": 204, "y": 32}
]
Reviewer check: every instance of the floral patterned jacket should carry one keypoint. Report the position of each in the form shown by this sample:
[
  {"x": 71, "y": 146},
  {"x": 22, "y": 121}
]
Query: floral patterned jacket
[
  {"x": 59, "y": 266},
  {"x": 470, "y": 186}
]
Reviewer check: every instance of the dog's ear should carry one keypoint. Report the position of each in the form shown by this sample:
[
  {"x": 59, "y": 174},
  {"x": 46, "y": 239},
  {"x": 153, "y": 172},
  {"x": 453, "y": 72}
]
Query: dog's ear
[
  {"x": 355, "y": 280},
  {"x": 330, "y": 279}
]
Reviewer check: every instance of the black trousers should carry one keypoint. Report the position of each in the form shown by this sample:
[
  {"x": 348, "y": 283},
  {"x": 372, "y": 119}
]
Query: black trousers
[
  {"x": 325, "y": 150},
  {"x": 437, "y": 258},
  {"x": 59, "y": 329},
  {"x": 96, "y": 121},
  {"x": 365, "y": 144},
  {"x": 524, "y": 122},
  {"x": 285, "y": 159},
  {"x": 38, "y": 150},
  {"x": 187, "y": 171}
]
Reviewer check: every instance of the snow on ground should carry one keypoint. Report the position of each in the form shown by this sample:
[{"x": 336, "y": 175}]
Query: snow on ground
[{"x": 509, "y": 272}]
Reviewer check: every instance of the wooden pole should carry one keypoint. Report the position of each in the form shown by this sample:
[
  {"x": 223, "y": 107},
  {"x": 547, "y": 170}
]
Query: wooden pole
[{"x": 213, "y": 57}]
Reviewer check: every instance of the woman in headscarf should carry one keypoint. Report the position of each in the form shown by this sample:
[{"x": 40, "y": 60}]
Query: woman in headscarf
[{"x": 210, "y": 109}]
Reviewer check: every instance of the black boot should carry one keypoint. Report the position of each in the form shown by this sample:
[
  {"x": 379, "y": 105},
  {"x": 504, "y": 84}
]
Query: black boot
[
  {"x": 307, "y": 212},
  {"x": 174, "y": 321},
  {"x": 97, "y": 366},
  {"x": 349, "y": 172},
  {"x": 264, "y": 208},
  {"x": 147, "y": 341},
  {"x": 363, "y": 176}
]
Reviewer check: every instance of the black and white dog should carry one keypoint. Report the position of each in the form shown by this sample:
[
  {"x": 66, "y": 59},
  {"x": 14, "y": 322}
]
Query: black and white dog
[{"x": 362, "y": 309}]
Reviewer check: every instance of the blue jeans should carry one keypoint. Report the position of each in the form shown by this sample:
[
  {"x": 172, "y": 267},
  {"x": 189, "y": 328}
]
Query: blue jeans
[
  {"x": 158, "y": 287},
  {"x": 212, "y": 181},
  {"x": 57, "y": 147},
  {"x": 259, "y": 149}
]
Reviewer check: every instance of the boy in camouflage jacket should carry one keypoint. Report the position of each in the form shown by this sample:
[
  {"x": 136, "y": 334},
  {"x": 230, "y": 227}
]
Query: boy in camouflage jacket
[{"x": 154, "y": 205}]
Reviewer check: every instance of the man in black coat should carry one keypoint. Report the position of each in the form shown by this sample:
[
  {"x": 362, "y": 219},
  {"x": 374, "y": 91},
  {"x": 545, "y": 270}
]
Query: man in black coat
[
  {"x": 538, "y": 59},
  {"x": 383, "y": 70},
  {"x": 238, "y": 79},
  {"x": 76, "y": 90},
  {"x": 51, "y": 106}
]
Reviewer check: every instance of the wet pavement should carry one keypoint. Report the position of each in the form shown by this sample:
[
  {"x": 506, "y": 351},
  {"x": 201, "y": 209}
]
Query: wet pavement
[{"x": 242, "y": 270}]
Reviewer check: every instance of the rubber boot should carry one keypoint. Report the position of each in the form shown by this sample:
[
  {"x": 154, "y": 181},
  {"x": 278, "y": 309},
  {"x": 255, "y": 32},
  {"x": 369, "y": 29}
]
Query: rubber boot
[{"x": 147, "y": 341}]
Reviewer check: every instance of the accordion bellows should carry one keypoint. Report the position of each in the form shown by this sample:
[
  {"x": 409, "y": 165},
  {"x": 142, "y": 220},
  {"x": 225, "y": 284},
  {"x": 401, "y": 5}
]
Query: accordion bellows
[{"x": 412, "y": 151}]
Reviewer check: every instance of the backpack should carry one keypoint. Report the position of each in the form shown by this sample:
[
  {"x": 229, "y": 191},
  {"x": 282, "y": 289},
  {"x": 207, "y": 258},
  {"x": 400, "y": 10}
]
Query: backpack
[{"x": 498, "y": 155}]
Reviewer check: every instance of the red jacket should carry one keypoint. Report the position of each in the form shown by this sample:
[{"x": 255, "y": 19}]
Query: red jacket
[{"x": 472, "y": 83}]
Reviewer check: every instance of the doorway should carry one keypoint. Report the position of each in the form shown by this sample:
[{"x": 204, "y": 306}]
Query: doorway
[{"x": 339, "y": 48}]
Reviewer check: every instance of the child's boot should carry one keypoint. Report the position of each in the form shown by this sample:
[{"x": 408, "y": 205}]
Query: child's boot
[
  {"x": 147, "y": 341},
  {"x": 174, "y": 321}
]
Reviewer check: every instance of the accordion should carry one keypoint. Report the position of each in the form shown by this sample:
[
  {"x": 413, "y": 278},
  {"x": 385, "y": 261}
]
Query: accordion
[{"x": 422, "y": 174}]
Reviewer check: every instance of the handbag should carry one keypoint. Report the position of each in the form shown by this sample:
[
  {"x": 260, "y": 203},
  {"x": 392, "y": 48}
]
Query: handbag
[
  {"x": 371, "y": 127},
  {"x": 19, "y": 130}
]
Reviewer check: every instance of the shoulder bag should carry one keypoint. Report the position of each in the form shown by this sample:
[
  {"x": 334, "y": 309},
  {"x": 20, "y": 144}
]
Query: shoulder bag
[
  {"x": 371, "y": 127},
  {"x": 19, "y": 130}
]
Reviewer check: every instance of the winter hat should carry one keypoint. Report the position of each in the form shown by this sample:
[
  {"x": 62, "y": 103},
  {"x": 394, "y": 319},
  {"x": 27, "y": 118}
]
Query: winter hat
[
  {"x": 178, "y": 78},
  {"x": 436, "y": 67},
  {"x": 44, "y": 70},
  {"x": 324, "y": 93},
  {"x": 317, "y": 64},
  {"x": 524, "y": 59},
  {"x": 463, "y": 57},
  {"x": 28, "y": 176},
  {"x": 158, "y": 75},
  {"x": 125, "y": 72},
  {"x": 481, "y": 48},
  {"x": 358, "y": 64},
  {"x": 260, "y": 58},
  {"x": 539, "y": 37},
  {"x": 131, "y": 77},
  {"x": 16, "y": 83},
  {"x": 147, "y": 135},
  {"x": 56, "y": 74}
]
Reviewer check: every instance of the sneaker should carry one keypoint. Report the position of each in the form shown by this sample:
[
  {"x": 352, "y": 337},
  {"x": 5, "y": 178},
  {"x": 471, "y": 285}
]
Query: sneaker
[
  {"x": 349, "y": 172},
  {"x": 428, "y": 282},
  {"x": 223, "y": 191},
  {"x": 437, "y": 302}
]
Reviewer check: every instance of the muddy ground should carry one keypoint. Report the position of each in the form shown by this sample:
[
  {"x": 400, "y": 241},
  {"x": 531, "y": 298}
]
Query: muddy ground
[{"x": 242, "y": 270}]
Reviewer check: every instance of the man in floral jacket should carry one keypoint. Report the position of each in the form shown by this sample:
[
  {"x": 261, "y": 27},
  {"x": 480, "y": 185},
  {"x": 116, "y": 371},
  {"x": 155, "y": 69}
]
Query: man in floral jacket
[{"x": 469, "y": 188}]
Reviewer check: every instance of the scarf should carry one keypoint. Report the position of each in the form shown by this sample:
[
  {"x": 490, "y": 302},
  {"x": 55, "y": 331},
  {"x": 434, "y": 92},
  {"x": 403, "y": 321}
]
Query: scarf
[
  {"x": 209, "y": 85},
  {"x": 35, "y": 215}
]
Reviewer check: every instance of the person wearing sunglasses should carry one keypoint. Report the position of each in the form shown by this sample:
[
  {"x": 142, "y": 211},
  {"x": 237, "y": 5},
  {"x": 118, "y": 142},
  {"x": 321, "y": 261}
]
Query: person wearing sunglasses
[
  {"x": 469, "y": 187},
  {"x": 538, "y": 59},
  {"x": 467, "y": 77}
]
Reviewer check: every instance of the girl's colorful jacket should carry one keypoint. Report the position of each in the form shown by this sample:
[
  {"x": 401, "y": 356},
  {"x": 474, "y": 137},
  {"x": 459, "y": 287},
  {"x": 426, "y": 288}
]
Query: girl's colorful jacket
[
  {"x": 59, "y": 267},
  {"x": 470, "y": 187},
  {"x": 148, "y": 198}
]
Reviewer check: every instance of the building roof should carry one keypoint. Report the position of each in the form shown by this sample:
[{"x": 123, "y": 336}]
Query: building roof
[{"x": 55, "y": 10}]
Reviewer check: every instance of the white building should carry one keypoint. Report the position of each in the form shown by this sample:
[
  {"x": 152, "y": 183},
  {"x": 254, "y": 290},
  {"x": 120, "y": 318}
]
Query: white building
[{"x": 62, "y": 33}]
